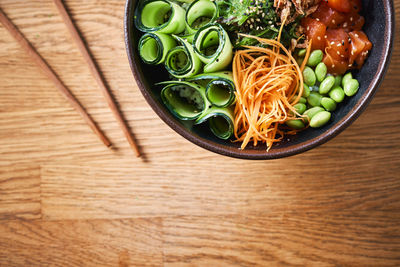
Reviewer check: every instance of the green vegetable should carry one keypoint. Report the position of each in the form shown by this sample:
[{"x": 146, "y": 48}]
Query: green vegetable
[
  {"x": 199, "y": 14},
  {"x": 328, "y": 103},
  {"x": 337, "y": 94},
  {"x": 300, "y": 108},
  {"x": 185, "y": 100},
  {"x": 182, "y": 61},
  {"x": 220, "y": 121},
  {"x": 310, "y": 113},
  {"x": 338, "y": 81},
  {"x": 213, "y": 47},
  {"x": 302, "y": 52},
  {"x": 346, "y": 77},
  {"x": 160, "y": 15},
  {"x": 153, "y": 47},
  {"x": 320, "y": 71},
  {"x": 295, "y": 124},
  {"x": 351, "y": 87},
  {"x": 306, "y": 90},
  {"x": 302, "y": 100},
  {"x": 314, "y": 99},
  {"x": 309, "y": 76},
  {"x": 220, "y": 89},
  {"x": 320, "y": 119},
  {"x": 326, "y": 85},
  {"x": 315, "y": 58}
]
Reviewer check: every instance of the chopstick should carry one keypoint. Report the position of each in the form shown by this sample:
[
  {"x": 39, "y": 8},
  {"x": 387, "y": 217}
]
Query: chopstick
[
  {"x": 96, "y": 74},
  {"x": 13, "y": 30}
]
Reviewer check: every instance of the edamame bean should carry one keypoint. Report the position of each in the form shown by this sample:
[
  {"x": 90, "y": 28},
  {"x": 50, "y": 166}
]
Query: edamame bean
[
  {"x": 300, "y": 108},
  {"x": 314, "y": 99},
  {"x": 299, "y": 60},
  {"x": 320, "y": 71},
  {"x": 337, "y": 94},
  {"x": 310, "y": 113},
  {"x": 302, "y": 52},
  {"x": 338, "y": 81},
  {"x": 320, "y": 119},
  {"x": 295, "y": 124},
  {"x": 326, "y": 85},
  {"x": 351, "y": 87},
  {"x": 302, "y": 100},
  {"x": 309, "y": 76},
  {"x": 346, "y": 77},
  {"x": 328, "y": 103},
  {"x": 306, "y": 90},
  {"x": 315, "y": 58}
]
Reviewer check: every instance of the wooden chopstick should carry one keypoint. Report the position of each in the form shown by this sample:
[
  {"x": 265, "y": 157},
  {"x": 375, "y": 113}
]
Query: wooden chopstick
[
  {"x": 96, "y": 74},
  {"x": 52, "y": 76}
]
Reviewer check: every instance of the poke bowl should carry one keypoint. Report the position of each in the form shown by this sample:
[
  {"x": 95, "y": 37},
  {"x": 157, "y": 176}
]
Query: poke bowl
[{"x": 154, "y": 80}]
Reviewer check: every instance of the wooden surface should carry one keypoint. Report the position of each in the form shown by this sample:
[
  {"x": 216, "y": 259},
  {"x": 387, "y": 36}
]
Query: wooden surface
[{"x": 67, "y": 200}]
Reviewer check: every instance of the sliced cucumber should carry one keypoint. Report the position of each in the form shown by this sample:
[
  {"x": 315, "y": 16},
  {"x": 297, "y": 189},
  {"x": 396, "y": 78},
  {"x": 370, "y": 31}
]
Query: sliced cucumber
[
  {"x": 220, "y": 121},
  {"x": 199, "y": 14},
  {"x": 212, "y": 45},
  {"x": 185, "y": 100},
  {"x": 220, "y": 88},
  {"x": 153, "y": 47},
  {"x": 181, "y": 61},
  {"x": 160, "y": 15}
]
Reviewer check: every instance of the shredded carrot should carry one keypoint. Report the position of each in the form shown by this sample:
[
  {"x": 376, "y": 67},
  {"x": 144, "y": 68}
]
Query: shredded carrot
[{"x": 268, "y": 83}]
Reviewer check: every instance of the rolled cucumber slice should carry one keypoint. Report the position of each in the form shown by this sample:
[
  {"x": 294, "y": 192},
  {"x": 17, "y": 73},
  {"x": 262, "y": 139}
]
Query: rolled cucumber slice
[
  {"x": 185, "y": 100},
  {"x": 199, "y": 14},
  {"x": 220, "y": 121},
  {"x": 220, "y": 88},
  {"x": 160, "y": 15},
  {"x": 212, "y": 45},
  {"x": 181, "y": 61},
  {"x": 153, "y": 47}
]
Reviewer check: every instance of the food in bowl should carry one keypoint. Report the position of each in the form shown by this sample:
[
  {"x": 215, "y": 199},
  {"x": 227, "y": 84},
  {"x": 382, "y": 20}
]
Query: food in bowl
[{"x": 244, "y": 68}]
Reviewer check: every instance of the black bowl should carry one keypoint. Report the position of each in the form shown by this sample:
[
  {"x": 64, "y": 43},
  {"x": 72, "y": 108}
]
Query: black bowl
[{"x": 379, "y": 26}]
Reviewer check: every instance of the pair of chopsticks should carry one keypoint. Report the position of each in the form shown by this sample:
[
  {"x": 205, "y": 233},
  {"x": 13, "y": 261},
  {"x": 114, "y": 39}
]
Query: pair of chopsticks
[{"x": 61, "y": 87}]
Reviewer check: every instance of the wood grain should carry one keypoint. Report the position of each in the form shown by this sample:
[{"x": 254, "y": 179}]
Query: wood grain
[{"x": 67, "y": 200}]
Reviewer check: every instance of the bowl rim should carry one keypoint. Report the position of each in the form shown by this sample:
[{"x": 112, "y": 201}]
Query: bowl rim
[{"x": 275, "y": 153}]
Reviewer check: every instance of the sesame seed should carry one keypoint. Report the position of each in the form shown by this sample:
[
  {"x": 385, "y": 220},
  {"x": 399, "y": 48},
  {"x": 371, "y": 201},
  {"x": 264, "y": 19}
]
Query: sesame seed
[
  {"x": 334, "y": 21},
  {"x": 338, "y": 45},
  {"x": 341, "y": 55},
  {"x": 345, "y": 25},
  {"x": 352, "y": 52},
  {"x": 333, "y": 65},
  {"x": 356, "y": 35},
  {"x": 326, "y": 36},
  {"x": 319, "y": 38},
  {"x": 351, "y": 18},
  {"x": 317, "y": 19},
  {"x": 337, "y": 52},
  {"x": 257, "y": 19},
  {"x": 308, "y": 27},
  {"x": 349, "y": 65},
  {"x": 251, "y": 26},
  {"x": 332, "y": 43}
]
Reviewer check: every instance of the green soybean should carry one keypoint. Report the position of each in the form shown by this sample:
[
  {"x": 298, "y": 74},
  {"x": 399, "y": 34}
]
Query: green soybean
[
  {"x": 299, "y": 60},
  {"x": 351, "y": 87},
  {"x": 306, "y": 90},
  {"x": 300, "y": 108},
  {"x": 348, "y": 76},
  {"x": 320, "y": 71},
  {"x": 326, "y": 85},
  {"x": 303, "y": 100},
  {"x": 295, "y": 124},
  {"x": 302, "y": 52},
  {"x": 315, "y": 58},
  {"x": 328, "y": 103},
  {"x": 314, "y": 99},
  {"x": 309, "y": 76},
  {"x": 320, "y": 119},
  {"x": 338, "y": 81},
  {"x": 310, "y": 113},
  {"x": 337, "y": 94}
]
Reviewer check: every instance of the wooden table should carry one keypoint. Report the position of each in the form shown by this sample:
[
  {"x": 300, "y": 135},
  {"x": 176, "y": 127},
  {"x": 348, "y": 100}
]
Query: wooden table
[{"x": 67, "y": 200}]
